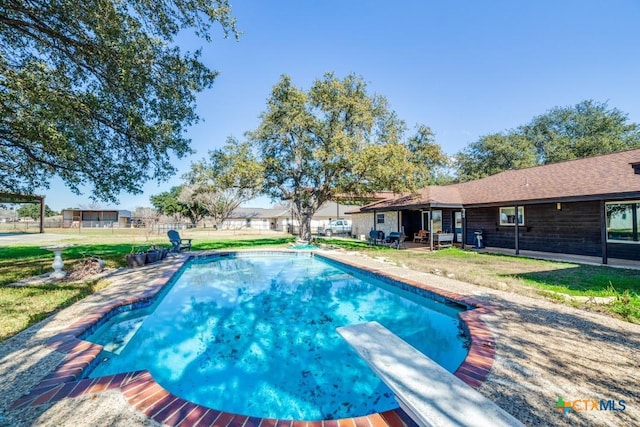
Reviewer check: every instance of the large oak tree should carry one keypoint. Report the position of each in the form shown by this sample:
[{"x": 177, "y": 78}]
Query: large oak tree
[
  {"x": 495, "y": 153},
  {"x": 96, "y": 92},
  {"x": 336, "y": 138}
]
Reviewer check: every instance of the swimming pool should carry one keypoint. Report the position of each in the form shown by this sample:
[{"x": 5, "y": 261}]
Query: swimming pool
[{"x": 255, "y": 334}]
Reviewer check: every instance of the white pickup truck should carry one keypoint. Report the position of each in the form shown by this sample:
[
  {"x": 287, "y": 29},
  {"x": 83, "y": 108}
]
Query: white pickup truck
[{"x": 338, "y": 226}]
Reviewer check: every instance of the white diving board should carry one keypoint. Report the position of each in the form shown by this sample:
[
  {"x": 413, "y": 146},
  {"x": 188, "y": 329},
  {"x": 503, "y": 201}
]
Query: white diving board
[{"x": 428, "y": 393}]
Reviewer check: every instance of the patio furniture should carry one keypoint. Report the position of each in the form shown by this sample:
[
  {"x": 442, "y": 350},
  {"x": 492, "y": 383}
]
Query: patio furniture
[
  {"x": 395, "y": 239},
  {"x": 177, "y": 243},
  {"x": 376, "y": 237},
  {"x": 442, "y": 240},
  {"x": 422, "y": 236}
]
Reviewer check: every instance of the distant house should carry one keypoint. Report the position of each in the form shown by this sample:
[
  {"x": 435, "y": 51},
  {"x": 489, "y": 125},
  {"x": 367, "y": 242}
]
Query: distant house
[
  {"x": 254, "y": 218},
  {"x": 95, "y": 218},
  {"x": 7, "y": 215},
  {"x": 281, "y": 219},
  {"x": 588, "y": 206}
]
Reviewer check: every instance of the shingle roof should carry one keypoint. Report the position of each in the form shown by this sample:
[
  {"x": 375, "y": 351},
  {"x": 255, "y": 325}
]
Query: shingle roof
[
  {"x": 589, "y": 178},
  {"x": 443, "y": 196},
  {"x": 610, "y": 175}
]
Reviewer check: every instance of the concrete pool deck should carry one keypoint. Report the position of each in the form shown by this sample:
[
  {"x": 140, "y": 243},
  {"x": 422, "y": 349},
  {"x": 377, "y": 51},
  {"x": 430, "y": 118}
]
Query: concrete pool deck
[{"x": 542, "y": 351}]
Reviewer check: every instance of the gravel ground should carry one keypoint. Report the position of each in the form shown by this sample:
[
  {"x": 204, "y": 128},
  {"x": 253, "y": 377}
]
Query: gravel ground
[{"x": 543, "y": 351}]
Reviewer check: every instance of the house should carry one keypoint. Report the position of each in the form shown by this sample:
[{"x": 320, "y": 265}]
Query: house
[
  {"x": 281, "y": 219},
  {"x": 95, "y": 218},
  {"x": 587, "y": 206},
  {"x": 254, "y": 218}
]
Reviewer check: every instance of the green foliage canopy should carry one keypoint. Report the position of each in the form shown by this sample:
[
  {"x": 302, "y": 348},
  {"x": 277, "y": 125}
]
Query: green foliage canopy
[
  {"x": 230, "y": 176},
  {"x": 563, "y": 133},
  {"x": 178, "y": 202},
  {"x": 95, "y": 92},
  {"x": 337, "y": 139},
  {"x": 167, "y": 202},
  {"x": 495, "y": 153},
  {"x": 586, "y": 129}
]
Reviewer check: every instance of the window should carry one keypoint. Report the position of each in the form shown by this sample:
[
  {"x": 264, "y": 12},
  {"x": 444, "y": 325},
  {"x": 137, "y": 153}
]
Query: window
[
  {"x": 90, "y": 216},
  {"x": 379, "y": 218},
  {"x": 623, "y": 221},
  {"x": 437, "y": 221},
  {"x": 508, "y": 216}
]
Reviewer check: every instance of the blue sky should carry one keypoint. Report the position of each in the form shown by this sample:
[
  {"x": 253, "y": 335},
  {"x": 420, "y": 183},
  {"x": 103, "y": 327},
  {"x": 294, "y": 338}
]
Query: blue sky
[{"x": 463, "y": 68}]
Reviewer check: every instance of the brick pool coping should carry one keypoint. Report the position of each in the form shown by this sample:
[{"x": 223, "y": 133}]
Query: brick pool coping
[{"x": 147, "y": 396}]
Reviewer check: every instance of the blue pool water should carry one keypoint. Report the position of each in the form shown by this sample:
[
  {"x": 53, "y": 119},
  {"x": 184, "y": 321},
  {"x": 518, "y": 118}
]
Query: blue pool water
[
  {"x": 256, "y": 335},
  {"x": 304, "y": 247}
]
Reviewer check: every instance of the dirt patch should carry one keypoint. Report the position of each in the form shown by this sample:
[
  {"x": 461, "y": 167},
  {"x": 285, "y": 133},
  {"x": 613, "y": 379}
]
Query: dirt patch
[{"x": 85, "y": 270}]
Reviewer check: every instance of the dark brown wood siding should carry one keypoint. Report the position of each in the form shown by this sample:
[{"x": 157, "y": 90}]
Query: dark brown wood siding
[
  {"x": 573, "y": 229},
  {"x": 624, "y": 250}
]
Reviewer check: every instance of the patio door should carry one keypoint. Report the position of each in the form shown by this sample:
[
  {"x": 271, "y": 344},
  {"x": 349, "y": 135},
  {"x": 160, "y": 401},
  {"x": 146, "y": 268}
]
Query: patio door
[
  {"x": 437, "y": 221},
  {"x": 425, "y": 220},
  {"x": 457, "y": 225}
]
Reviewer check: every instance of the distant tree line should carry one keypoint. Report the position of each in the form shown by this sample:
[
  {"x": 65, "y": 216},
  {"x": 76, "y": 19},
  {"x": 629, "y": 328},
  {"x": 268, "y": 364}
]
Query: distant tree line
[
  {"x": 563, "y": 133},
  {"x": 32, "y": 210}
]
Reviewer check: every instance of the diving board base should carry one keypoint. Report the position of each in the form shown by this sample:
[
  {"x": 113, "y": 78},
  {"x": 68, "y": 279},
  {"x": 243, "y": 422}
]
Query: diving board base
[{"x": 428, "y": 393}]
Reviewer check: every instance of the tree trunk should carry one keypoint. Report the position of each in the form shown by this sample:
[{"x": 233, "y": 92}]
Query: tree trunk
[
  {"x": 305, "y": 226},
  {"x": 304, "y": 209}
]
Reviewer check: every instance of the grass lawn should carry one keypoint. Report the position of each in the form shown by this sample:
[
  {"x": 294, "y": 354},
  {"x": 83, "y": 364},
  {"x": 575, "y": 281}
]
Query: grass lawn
[{"x": 550, "y": 279}]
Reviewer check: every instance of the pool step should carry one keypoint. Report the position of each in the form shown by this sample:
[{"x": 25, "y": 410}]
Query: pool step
[
  {"x": 428, "y": 393},
  {"x": 116, "y": 338}
]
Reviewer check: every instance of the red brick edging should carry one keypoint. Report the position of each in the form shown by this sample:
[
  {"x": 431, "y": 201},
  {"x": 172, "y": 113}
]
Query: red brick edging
[{"x": 147, "y": 396}]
